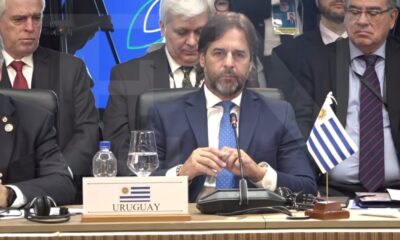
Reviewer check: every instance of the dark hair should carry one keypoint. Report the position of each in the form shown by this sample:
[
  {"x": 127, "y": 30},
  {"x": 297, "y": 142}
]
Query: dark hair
[{"x": 219, "y": 24}]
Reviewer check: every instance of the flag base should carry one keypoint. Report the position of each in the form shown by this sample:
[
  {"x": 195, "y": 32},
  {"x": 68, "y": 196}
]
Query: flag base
[{"x": 327, "y": 210}]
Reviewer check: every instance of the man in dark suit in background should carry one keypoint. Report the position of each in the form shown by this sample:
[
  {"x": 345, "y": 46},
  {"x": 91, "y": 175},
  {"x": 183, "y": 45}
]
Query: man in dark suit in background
[
  {"x": 31, "y": 163},
  {"x": 28, "y": 66},
  {"x": 330, "y": 28},
  {"x": 187, "y": 138},
  {"x": 363, "y": 74},
  {"x": 181, "y": 23},
  {"x": 287, "y": 58}
]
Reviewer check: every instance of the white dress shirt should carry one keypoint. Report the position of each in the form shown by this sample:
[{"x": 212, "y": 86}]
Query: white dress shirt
[
  {"x": 329, "y": 36},
  {"x": 27, "y": 69},
  {"x": 176, "y": 75}
]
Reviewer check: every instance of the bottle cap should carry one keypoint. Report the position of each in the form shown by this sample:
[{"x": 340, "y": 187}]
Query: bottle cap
[{"x": 105, "y": 145}]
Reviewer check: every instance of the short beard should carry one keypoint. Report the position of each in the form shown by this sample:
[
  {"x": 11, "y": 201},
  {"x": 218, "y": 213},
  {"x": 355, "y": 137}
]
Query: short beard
[
  {"x": 225, "y": 92},
  {"x": 330, "y": 15}
]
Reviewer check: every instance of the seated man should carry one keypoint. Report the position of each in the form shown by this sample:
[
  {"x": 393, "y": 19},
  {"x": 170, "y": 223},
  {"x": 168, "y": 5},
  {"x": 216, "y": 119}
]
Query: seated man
[
  {"x": 363, "y": 74},
  {"x": 172, "y": 66},
  {"x": 195, "y": 138},
  {"x": 31, "y": 163},
  {"x": 28, "y": 66}
]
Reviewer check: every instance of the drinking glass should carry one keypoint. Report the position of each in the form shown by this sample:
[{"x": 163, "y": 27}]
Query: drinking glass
[{"x": 142, "y": 156}]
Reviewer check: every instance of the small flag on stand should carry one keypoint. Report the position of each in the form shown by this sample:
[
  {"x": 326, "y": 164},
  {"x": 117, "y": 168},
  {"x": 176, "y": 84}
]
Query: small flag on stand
[{"x": 329, "y": 144}]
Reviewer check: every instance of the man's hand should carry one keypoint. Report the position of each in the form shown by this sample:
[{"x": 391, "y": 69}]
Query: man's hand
[
  {"x": 250, "y": 168},
  {"x": 202, "y": 161},
  {"x": 3, "y": 196}
]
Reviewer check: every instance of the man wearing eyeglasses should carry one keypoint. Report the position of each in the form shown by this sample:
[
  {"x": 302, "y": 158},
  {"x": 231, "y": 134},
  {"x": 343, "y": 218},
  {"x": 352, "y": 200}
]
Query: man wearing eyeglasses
[{"x": 363, "y": 73}]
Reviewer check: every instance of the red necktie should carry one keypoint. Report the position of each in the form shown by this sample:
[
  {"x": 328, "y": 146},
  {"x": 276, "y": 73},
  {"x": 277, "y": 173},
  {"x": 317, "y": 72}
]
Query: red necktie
[{"x": 19, "y": 81}]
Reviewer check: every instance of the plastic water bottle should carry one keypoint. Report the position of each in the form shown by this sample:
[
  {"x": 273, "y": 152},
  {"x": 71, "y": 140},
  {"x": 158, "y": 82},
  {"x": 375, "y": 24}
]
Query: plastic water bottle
[{"x": 104, "y": 162}]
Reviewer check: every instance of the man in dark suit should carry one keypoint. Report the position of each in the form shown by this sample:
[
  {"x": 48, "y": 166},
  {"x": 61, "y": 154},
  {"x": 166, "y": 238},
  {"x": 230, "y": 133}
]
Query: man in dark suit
[
  {"x": 287, "y": 58},
  {"x": 187, "y": 138},
  {"x": 344, "y": 68},
  {"x": 31, "y": 163},
  {"x": 78, "y": 132},
  {"x": 180, "y": 23}
]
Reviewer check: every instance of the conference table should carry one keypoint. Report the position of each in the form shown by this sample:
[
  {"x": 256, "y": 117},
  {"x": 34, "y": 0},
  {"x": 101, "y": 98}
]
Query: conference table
[{"x": 252, "y": 226}]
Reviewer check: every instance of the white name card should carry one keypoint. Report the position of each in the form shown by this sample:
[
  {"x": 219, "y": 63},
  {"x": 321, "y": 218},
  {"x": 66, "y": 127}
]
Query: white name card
[{"x": 135, "y": 196}]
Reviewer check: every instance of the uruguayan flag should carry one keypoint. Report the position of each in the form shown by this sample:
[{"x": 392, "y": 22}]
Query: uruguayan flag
[{"x": 329, "y": 144}]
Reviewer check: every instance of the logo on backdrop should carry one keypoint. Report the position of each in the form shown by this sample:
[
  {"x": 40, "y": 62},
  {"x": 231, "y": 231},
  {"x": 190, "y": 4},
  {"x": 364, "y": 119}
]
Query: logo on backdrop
[{"x": 146, "y": 18}]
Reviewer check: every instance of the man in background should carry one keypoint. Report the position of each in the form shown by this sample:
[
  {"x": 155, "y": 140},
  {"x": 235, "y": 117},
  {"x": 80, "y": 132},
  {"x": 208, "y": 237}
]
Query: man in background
[
  {"x": 362, "y": 72},
  {"x": 172, "y": 66},
  {"x": 287, "y": 59},
  {"x": 28, "y": 66}
]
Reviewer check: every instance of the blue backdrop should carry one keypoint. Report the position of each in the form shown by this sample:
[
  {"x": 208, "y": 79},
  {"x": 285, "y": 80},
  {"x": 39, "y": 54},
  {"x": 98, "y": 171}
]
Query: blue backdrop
[{"x": 135, "y": 28}]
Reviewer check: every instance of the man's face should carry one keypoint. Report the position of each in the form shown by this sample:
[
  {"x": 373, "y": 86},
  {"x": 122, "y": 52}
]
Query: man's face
[
  {"x": 227, "y": 63},
  {"x": 20, "y": 27},
  {"x": 182, "y": 37},
  {"x": 368, "y": 31},
  {"x": 332, "y": 9}
]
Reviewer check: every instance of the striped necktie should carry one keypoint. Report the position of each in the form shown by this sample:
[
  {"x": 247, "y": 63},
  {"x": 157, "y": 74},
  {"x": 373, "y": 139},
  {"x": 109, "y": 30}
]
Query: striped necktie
[{"x": 372, "y": 164}]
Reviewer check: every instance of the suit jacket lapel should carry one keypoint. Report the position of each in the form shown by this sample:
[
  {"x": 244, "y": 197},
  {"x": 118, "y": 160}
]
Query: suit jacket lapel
[
  {"x": 160, "y": 68},
  {"x": 5, "y": 80},
  {"x": 196, "y": 113},
  {"x": 315, "y": 37},
  {"x": 392, "y": 73},
  {"x": 249, "y": 111},
  {"x": 7, "y": 138},
  {"x": 341, "y": 78},
  {"x": 42, "y": 77}
]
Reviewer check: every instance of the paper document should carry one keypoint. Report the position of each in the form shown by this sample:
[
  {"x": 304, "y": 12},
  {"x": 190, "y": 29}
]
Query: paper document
[
  {"x": 394, "y": 194},
  {"x": 11, "y": 213}
]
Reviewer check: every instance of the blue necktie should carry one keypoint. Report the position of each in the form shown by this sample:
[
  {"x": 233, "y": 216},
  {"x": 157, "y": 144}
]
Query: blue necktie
[
  {"x": 372, "y": 163},
  {"x": 226, "y": 179}
]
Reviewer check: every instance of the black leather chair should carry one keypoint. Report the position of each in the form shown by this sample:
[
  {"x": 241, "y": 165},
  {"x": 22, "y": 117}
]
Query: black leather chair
[
  {"x": 147, "y": 99},
  {"x": 46, "y": 99}
]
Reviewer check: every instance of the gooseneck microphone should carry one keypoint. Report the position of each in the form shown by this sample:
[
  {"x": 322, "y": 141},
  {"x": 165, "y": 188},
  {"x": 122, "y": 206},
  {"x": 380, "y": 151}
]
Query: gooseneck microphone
[
  {"x": 242, "y": 200},
  {"x": 243, "y": 191}
]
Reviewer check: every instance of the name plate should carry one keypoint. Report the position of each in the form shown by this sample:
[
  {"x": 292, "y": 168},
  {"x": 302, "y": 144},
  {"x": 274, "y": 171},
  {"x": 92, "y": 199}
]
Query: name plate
[{"x": 135, "y": 196}]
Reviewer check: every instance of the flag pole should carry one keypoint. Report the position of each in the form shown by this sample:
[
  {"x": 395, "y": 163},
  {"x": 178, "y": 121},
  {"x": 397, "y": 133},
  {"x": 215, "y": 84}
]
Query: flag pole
[{"x": 327, "y": 188}]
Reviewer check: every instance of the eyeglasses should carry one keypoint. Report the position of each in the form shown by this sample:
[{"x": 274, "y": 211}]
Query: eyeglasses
[
  {"x": 221, "y": 5},
  {"x": 371, "y": 14}
]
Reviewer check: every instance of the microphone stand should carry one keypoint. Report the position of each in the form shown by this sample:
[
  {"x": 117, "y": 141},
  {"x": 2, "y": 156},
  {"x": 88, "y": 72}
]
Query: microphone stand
[
  {"x": 63, "y": 24},
  {"x": 225, "y": 201},
  {"x": 106, "y": 26},
  {"x": 243, "y": 191}
]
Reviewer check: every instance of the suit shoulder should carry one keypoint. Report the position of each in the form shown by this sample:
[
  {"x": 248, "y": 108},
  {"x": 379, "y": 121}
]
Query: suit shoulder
[
  {"x": 29, "y": 115},
  {"x": 300, "y": 43},
  {"x": 53, "y": 54},
  {"x": 149, "y": 58}
]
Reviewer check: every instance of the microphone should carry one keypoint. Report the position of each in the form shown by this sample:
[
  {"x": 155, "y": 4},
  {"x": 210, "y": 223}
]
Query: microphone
[
  {"x": 243, "y": 200},
  {"x": 235, "y": 201}
]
